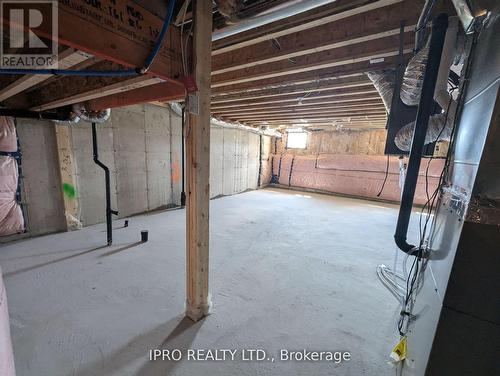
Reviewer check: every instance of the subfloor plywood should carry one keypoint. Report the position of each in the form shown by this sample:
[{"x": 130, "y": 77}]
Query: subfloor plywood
[{"x": 278, "y": 281}]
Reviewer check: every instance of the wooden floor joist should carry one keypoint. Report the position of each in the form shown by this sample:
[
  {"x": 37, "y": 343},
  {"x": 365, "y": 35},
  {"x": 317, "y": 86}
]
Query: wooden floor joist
[{"x": 311, "y": 76}]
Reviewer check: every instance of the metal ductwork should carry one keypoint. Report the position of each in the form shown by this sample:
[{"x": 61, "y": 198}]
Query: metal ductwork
[{"x": 231, "y": 8}]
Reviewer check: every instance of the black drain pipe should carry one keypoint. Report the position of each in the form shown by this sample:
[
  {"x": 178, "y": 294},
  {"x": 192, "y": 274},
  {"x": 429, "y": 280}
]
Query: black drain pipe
[
  {"x": 109, "y": 211},
  {"x": 183, "y": 192},
  {"x": 425, "y": 107}
]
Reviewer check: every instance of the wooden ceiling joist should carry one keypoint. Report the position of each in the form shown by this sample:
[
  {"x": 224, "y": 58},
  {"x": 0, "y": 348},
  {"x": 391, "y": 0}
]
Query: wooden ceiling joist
[
  {"x": 368, "y": 107},
  {"x": 376, "y": 50},
  {"x": 347, "y": 112},
  {"x": 376, "y": 115},
  {"x": 68, "y": 58},
  {"x": 363, "y": 27},
  {"x": 299, "y": 98},
  {"x": 339, "y": 10},
  {"x": 353, "y": 82},
  {"x": 312, "y": 75},
  {"x": 375, "y": 98}
]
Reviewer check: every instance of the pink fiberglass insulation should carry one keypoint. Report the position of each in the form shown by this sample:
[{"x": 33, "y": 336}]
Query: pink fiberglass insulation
[
  {"x": 352, "y": 175},
  {"x": 8, "y": 139},
  {"x": 11, "y": 216}
]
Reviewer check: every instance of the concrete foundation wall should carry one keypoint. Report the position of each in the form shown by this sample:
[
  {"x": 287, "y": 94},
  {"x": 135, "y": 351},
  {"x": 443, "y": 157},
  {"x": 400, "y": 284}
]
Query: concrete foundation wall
[
  {"x": 41, "y": 195},
  {"x": 137, "y": 144},
  {"x": 141, "y": 145},
  {"x": 234, "y": 161}
]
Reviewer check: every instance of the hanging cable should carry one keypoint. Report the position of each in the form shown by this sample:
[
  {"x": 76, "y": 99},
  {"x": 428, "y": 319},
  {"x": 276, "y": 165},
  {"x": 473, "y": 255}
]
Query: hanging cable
[
  {"x": 106, "y": 73},
  {"x": 385, "y": 178}
]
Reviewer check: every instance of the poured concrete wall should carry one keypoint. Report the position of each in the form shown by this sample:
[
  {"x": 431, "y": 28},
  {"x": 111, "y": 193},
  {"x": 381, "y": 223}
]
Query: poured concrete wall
[
  {"x": 41, "y": 196},
  {"x": 234, "y": 160},
  {"x": 142, "y": 147}
]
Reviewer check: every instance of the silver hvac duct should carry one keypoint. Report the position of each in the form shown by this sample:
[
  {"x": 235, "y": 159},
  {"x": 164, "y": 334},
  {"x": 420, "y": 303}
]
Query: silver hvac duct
[
  {"x": 440, "y": 125},
  {"x": 272, "y": 16}
]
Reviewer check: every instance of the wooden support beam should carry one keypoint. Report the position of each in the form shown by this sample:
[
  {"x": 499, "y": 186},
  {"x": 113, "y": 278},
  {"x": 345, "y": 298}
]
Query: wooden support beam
[
  {"x": 198, "y": 168},
  {"x": 164, "y": 92}
]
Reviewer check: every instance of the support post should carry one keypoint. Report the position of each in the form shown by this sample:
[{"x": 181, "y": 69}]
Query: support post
[{"x": 197, "y": 167}]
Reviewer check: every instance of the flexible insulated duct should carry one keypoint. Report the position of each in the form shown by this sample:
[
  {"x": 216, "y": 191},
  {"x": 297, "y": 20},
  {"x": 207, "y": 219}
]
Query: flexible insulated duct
[
  {"x": 436, "y": 131},
  {"x": 85, "y": 114},
  {"x": 411, "y": 87},
  {"x": 384, "y": 84}
]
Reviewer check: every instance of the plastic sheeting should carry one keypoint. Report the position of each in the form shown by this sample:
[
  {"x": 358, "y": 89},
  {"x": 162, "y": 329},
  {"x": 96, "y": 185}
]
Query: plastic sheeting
[
  {"x": 11, "y": 216},
  {"x": 384, "y": 83},
  {"x": 411, "y": 87},
  {"x": 436, "y": 131},
  {"x": 351, "y": 175}
]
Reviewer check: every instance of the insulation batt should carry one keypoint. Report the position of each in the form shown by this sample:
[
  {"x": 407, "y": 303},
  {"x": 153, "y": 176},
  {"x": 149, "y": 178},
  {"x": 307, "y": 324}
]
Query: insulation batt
[
  {"x": 11, "y": 216},
  {"x": 411, "y": 87},
  {"x": 436, "y": 129},
  {"x": 384, "y": 83}
]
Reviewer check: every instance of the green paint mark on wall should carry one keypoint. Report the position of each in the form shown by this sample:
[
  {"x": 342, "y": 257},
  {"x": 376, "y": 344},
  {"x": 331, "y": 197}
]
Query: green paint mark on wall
[{"x": 69, "y": 190}]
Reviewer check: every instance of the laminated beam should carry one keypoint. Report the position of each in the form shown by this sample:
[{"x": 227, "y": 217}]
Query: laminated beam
[
  {"x": 121, "y": 31},
  {"x": 198, "y": 168}
]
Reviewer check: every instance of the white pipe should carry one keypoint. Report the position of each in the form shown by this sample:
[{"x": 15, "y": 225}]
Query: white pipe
[{"x": 252, "y": 23}]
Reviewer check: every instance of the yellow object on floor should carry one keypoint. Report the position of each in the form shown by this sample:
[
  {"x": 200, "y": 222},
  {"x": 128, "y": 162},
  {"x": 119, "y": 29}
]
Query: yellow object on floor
[{"x": 399, "y": 351}]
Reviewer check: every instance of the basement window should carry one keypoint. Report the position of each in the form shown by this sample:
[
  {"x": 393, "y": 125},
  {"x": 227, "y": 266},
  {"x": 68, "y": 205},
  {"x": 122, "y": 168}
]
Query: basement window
[{"x": 296, "y": 139}]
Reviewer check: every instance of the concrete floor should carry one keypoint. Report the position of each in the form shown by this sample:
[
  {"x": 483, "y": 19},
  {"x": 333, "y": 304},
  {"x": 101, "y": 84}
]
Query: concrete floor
[{"x": 289, "y": 270}]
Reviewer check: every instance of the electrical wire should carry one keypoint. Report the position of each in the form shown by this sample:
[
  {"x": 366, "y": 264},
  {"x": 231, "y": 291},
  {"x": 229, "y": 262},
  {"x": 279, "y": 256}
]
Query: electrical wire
[
  {"x": 385, "y": 178},
  {"x": 106, "y": 73},
  {"x": 419, "y": 264}
]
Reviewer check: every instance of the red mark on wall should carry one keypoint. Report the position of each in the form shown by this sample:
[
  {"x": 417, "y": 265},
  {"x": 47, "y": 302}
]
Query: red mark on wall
[{"x": 176, "y": 170}]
